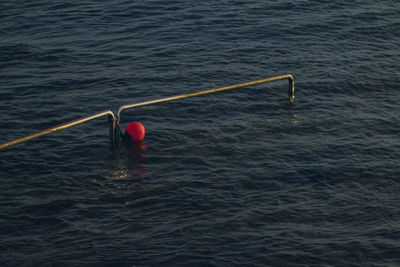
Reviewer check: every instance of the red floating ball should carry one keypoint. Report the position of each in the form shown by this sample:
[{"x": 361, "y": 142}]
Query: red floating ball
[{"x": 135, "y": 130}]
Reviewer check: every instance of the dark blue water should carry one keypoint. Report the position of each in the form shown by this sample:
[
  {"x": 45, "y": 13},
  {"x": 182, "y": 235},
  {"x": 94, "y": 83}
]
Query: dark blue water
[{"x": 236, "y": 178}]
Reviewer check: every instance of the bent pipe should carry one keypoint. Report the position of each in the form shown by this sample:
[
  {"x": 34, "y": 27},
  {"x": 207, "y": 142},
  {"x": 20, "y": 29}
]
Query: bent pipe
[
  {"x": 60, "y": 127},
  {"x": 204, "y": 92},
  {"x": 114, "y": 120}
]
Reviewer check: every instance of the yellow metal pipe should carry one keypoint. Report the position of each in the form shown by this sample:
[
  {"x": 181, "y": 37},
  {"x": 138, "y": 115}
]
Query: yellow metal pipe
[
  {"x": 115, "y": 119},
  {"x": 199, "y": 93},
  {"x": 209, "y": 91},
  {"x": 59, "y": 128}
]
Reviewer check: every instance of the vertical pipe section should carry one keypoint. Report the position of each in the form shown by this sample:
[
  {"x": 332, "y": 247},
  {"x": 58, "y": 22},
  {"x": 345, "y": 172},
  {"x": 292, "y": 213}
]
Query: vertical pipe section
[{"x": 291, "y": 87}]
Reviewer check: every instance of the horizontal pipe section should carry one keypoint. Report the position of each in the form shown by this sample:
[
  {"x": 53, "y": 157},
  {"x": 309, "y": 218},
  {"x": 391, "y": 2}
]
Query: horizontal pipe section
[
  {"x": 209, "y": 91},
  {"x": 59, "y": 128}
]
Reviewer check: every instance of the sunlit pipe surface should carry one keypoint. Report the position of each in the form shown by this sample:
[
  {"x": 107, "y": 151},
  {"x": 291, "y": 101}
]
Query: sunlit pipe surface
[
  {"x": 115, "y": 119},
  {"x": 209, "y": 91}
]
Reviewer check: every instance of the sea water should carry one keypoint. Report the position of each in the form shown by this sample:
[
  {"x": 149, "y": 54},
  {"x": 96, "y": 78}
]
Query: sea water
[{"x": 236, "y": 178}]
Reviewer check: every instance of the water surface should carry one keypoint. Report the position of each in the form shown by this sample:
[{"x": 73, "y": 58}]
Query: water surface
[{"x": 236, "y": 178}]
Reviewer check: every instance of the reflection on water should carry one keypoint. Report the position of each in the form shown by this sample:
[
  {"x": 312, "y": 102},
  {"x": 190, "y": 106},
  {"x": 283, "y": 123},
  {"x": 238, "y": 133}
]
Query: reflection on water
[
  {"x": 117, "y": 174},
  {"x": 293, "y": 112},
  {"x": 129, "y": 162}
]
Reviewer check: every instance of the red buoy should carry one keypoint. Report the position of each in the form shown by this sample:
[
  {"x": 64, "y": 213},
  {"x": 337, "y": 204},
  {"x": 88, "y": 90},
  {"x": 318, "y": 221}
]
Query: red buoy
[{"x": 135, "y": 130}]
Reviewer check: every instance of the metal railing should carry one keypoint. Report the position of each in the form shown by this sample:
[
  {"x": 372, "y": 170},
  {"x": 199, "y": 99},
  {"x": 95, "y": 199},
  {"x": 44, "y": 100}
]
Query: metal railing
[{"x": 115, "y": 132}]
